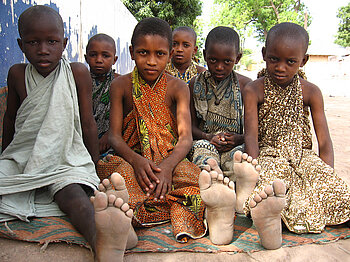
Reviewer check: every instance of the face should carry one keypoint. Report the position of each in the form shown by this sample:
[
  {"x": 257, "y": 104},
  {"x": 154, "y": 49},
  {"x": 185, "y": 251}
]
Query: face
[
  {"x": 221, "y": 59},
  {"x": 184, "y": 47},
  {"x": 43, "y": 43},
  {"x": 151, "y": 54},
  {"x": 283, "y": 58},
  {"x": 100, "y": 56}
]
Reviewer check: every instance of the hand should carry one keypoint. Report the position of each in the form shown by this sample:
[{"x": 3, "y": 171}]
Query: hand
[
  {"x": 219, "y": 142},
  {"x": 103, "y": 143},
  {"x": 144, "y": 171},
  {"x": 233, "y": 140},
  {"x": 165, "y": 182}
]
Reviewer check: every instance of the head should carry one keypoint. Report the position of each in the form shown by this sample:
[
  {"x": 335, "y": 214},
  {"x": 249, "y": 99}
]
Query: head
[
  {"x": 285, "y": 52},
  {"x": 151, "y": 46},
  {"x": 222, "y": 51},
  {"x": 100, "y": 54},
  {"x": 41, "y": 39},
  {"x": 184, "y": 45}
]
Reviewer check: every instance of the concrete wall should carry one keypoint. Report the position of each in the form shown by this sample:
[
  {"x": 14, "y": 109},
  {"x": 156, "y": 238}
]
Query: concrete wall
[{"x": 82, "y": 19}]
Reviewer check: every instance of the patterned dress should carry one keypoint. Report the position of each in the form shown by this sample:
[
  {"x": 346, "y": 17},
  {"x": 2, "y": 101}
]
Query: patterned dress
[
  {"x": 150, "y": 129},
  {"x": 101, "y": 101},
  {"x": 190, "y": 72},
  {"x": 315, "y": 196},
  {"x": 219, "y": 108}
]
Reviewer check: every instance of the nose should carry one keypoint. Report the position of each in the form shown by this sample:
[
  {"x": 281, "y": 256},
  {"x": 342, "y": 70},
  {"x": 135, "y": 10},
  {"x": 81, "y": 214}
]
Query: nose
[
  {"x": 280, "y": 67},
  {"x": 151, "y": 60},
  {"x": 219, "y": 67},
  {"x": 43, "y": 49},
  {"x": 99, "y": 59}
]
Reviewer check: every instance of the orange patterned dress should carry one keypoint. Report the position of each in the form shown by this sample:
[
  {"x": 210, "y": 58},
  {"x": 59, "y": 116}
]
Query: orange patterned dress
[{"x": 150, "y": 129}]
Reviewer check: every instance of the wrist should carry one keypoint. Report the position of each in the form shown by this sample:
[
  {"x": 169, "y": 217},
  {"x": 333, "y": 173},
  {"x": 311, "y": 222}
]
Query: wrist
[{"x": 208, "y": 136}]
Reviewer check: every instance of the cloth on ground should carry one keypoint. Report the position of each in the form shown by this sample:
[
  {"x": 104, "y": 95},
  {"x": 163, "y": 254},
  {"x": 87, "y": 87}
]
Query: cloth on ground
[
  {"x": 316, "y": 196},
  {"x": 47, "y": 152},
  {"x": 150, "y": 129}
]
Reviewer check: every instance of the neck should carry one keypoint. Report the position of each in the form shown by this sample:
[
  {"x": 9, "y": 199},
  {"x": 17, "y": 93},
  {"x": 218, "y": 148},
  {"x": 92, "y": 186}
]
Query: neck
[{"x": 182, "y": 67}]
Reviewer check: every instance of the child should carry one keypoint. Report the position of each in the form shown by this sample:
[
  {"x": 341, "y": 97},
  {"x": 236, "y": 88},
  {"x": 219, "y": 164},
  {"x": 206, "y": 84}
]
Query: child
[
  {"x": 100, "y": 55},
  {"x": 150, "y": 132},
  {"x": 295, "y": 183},
  {"x": 217, "y": 108},
  {"x": 184, "y": 48},
  {"x": 45, "y": 167}
]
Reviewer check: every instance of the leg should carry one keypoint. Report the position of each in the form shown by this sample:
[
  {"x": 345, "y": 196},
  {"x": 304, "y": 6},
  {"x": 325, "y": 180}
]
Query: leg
[
  {"x": 120, "y": 192},
  {"x": 266, "y": 210},
  {"x": 246, "y": 171},
  {"x": 220, "y": 199}
]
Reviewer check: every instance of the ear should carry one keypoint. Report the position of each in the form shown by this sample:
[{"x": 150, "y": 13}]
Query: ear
[
  {"x": 171, "y": 54},
  {"x": 131, "y": 50},
  {"x": 263, "y": 51},
  {"x": 195, "y": 49},
  {"x": 65, "y": 41},
  {"x": 115, "y": 59},
  {"x": 85, "y": 58},
  {"x": 305, "y": 59},
  {"x": 239, "y": 56},
  {"x": 205, "y": 55},
  {"x": 20, "y": 44}
]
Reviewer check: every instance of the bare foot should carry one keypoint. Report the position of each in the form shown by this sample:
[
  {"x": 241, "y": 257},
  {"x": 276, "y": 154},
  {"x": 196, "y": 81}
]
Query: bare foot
[
  {"x": 246, "y": 170},
  {"x": 266, "y": 210},
  {"x": 219, "y": 196},
  {"x": 214, "y": 166},
  {"x": 119, "y": 192},
  {"x": 113, "y": 223}
]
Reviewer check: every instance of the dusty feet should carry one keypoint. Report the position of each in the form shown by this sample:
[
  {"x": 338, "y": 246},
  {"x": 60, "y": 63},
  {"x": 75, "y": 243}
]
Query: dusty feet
[
  {"x": 119, "y": 192},
  {"x": 266, "y": 210},
  {"x": 113, "y": 223},
  {"x": 219, "y": 196},
  {"x": 246, "y": 170}
]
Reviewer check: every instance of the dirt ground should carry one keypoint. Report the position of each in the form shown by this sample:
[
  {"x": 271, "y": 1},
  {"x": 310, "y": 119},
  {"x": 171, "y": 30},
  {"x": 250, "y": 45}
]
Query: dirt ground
[{"x": 338, "y": 114}]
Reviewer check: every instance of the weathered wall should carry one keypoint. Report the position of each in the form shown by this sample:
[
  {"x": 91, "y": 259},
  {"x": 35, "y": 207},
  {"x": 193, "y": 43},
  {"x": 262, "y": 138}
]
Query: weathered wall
[{"x": 82, "y": 19}]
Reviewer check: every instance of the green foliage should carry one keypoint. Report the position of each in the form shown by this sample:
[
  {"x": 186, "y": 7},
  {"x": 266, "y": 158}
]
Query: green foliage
[
  {"x": 258, "y": 15},
  {"x": 343, "y": 35},
  {"x": 176, "y": 13}
]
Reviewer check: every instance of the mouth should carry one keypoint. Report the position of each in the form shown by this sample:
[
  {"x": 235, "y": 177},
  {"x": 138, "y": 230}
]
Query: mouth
[
  {"x": 44, "y": 63},
  {"x": 151, "y": 71},
  {"x": 279, "y": 77}
]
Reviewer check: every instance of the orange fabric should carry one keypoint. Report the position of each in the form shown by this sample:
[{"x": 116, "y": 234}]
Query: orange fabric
[{"x": 150, "y": 129}]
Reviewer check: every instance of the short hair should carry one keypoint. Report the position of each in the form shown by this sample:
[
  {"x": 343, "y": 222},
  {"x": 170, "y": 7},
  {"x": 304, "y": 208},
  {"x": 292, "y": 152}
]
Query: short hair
[
  {"x": 101, "y": 37},
  {"x": 223, "y": 35},
  {"x": 188, "y": 30},
  {"x": 288, "y": 30},
  {"x": 37, "y": 12},
  {"x": 152, "y": 26}
]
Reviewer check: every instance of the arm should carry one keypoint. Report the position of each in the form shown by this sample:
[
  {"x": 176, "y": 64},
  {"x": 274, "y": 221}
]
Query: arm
[
  {"x": 84, "y": 89},
  {"x": 251, "y": 101},
  {"x": 313, "y": 98},
  {"x": 181, "y": 97},
  {"x": 103, "y": 143},
  {"x": 144, "y": 169},
  {"x": 13, "y": 103}
]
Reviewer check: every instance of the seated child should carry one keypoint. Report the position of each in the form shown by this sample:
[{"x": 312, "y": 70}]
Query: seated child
[
  {"x": 295, "y": 183},
  {"x": 45, "y": 167},
  {"x": 150, "y": 131},
  {"x": 100, "y": 55},
  {"x": 217, "y": 107},
  {"x": 182, "y": 63}
]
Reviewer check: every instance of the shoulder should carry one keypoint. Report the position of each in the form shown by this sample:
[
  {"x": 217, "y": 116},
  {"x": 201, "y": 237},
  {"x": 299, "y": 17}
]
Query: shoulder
[
  {"x": 17, "y": 70},
  {"x": 311, "y": 92},
  {"x": 243, "y": 80},
  {"x": 255, "y": 88},
  {"x": 121, "y": 83},
  {"x": 200, "y": 69},
  {"x": 176, "y": 87},
  {"x": 79, "y": 68}
]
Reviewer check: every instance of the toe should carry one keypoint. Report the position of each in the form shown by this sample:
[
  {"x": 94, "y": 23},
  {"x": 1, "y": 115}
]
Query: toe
[
  {"x": 226, "y": 180},
  {"x": 279, "y": 187},
  {"x": 204, "y": 180},
  {"x": 269, "y": 190},
  {"x": 118, "y": 181},
  {"x": 100, "y": 201},
  {"x": 237, "y": 157},
  {"x": 245, "y": 156},
  {"x": 257, "y": 198}
]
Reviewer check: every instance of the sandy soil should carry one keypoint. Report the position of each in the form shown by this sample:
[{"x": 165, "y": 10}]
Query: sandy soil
[{"x": 338, "y": 114}]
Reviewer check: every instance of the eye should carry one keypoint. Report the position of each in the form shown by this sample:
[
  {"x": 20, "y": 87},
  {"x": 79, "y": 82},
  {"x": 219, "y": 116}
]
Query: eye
[
  {"x": 227, "y": 62},
  {"x": 52, "y": 42},
  {"x": 186, "y": 45},
  {"x": 142, "y": 52},
  {"x": 160, "y": 53},
  {"x": 106, "y": 56},
  {"x": 175, "y": 44},
  {"x": 212, "y": 60},
  {"x": 33, "y": 42},
  {"x": 273, "y": 59},
  {"x": 291, "y": 62}
]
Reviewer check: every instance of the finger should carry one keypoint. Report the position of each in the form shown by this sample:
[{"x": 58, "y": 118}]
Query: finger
[
  {"x": 142, "y": 182},
  {"x": 154, "y": 167},
  {"x": 151, "y": 175},
  {"x": 158, "y": 191},
  {"x": 164, "y": 190},
  {"x": 145, "y": 176},
  {"x": 150, "y": 192}
]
